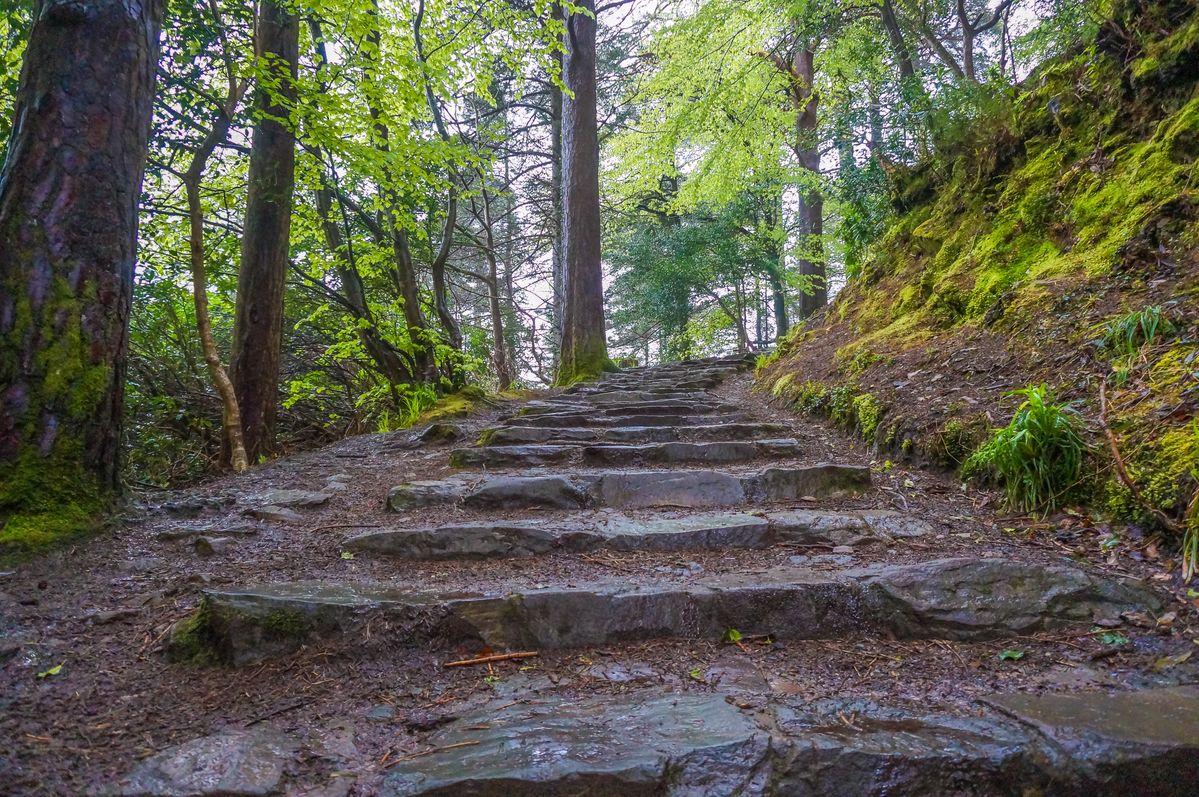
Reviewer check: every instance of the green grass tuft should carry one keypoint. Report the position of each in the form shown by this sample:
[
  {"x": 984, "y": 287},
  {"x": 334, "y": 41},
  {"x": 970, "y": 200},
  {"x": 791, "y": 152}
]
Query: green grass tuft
[{"x": 1037, "y": 458}]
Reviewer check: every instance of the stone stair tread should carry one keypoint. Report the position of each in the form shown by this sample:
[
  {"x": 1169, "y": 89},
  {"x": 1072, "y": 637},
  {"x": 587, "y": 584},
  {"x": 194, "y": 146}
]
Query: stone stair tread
[
  {"x": 671, "y": 451},
  {"x": 509, "y": 435},
  {"x": 632, "y": 489},
  {"x": 953, "y": 599},
  {"x": 660, "y": 741},
  {"x": 576, "y": 420},
  {"x": 706, "y": 531}
]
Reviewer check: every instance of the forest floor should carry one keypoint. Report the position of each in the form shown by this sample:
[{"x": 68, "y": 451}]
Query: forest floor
[{"x": 86, "y": 690}]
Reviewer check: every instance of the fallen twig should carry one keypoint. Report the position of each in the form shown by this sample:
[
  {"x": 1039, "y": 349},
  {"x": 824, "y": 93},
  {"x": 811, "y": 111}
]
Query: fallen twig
[
  {"x": 431, "y": 751},
  {"x": 527, "y": 654}
]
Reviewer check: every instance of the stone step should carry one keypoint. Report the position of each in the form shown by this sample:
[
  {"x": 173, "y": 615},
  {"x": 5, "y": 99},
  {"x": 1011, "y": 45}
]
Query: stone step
[
  {"x": 650, "y": 385},
  {"x": 658, "y": 407},
  {"x": 707, "y": 532},
  {"x": 951, "y": 599},
  {"x": 691, "y": 744},
  {"x": 634, "y": 489},
  {"x": 533, "y": 435},
  {"x": 599, "y": 419},
  {"x": 672, "y": 453}
]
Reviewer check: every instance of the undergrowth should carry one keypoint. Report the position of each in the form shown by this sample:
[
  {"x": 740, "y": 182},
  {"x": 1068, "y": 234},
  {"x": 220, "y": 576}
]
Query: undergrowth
[{"x": 1037, "y": 458}]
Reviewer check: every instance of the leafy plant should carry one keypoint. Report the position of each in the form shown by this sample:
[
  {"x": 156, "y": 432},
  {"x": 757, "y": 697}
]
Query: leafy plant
[
  {"x": 1127, "y": 334},
  {"x": 1038, "y": 456},
  {"x": 1011, "y": 655}
]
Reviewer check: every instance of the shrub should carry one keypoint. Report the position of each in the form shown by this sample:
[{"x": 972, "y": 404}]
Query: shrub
[{"x": 1037, "y": 457}]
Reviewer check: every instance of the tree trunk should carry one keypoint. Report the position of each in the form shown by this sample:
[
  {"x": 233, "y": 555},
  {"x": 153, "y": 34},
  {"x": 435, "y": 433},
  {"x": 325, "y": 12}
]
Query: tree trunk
[
  {"x": 899, "y": 45},
  {"x": 258, "y": 320},
  {"x": 811, "y": 201},
  {"x": 69, "y": 195},
  {"x": 381, "y": 352},
  {"x": 558, "y": 262},
  {"x": 584, "y": 352},
  {"x": 234, "y": 437},
  {"x": 499, "y": 344}
]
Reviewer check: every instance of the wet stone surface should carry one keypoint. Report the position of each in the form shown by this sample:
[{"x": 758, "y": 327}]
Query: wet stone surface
[
  {"x": 683, "y": 745},
  {"x": 229, "y": 764}
]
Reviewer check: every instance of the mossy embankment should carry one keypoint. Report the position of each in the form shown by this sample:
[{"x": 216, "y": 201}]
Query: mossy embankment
[{"x": 1027, "y": 251}]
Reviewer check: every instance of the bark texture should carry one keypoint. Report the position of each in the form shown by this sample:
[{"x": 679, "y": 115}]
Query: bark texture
[
  {"x": 584, "y": 351},
  {"x": 258, "y": 320},
  {"x": 69, "y": 196}
]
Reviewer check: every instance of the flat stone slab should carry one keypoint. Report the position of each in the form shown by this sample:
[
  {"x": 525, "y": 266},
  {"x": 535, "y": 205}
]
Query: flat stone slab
[
  {"x": 683, "y": 419},
  {"x": 289, "y": 499},
  {"x": 694, "y": 532},
  {"x": 235, "y": 763},
  {"x": 683, "y": 745},
  {"x": 638, "y": 489},
  {"x": 956, "y": 599},
  {"x": 843, "y": 747},
  {"x": 1140, "y": 742},
  {"x": 532, "y": 435},
  {"x": 721, "y": 452},
  {"x": 533, "y": 537}
]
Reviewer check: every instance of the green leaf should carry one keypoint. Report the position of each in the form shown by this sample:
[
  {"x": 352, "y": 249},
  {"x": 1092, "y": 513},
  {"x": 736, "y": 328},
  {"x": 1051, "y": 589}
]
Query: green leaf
[
  {"x": 1011, "y": 655},
  {"x": 55, "y": 670},
  {"x": 732, "y": 635},
  {"x": 347, "y": 555},
  {"x": 1113, "y": 638},
  {"x": 697, "y": 674}
]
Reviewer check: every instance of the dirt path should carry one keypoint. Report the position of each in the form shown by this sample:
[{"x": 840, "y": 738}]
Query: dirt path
[{"x": 87, "y": 692}]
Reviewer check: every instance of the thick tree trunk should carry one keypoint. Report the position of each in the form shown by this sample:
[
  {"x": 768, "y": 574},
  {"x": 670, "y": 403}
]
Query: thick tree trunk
[
  {"x": 584, "y": 348},
  {"x": 811, "y": 201},
  {"x": 69, "y": 195},
  {"x": 258, "y": 320}
]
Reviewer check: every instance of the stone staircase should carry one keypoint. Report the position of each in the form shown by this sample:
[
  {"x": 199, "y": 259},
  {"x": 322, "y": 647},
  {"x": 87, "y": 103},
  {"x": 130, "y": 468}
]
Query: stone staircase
[{"x": 651, "y": 461}]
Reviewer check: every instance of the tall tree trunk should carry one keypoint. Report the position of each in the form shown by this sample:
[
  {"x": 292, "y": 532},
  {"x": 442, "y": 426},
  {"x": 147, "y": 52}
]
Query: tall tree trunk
[
  {"x": 558, "y": 264},
  {"x": 69, "y": 195},
  {"x": 811, "y": 200},
  {"x": 584, "y": 352},
  {"x": 499, "y": 345},
  {"x": 258, "y": 319}
]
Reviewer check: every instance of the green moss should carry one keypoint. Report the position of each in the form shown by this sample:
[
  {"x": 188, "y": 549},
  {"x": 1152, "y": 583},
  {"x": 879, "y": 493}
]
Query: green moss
[
  {"x": 867, "y": 412},
  {"x": 957, "y": 438},
  {"x": 47, "y": 501},
  {"x": 191, "y": 640},
  {"x": 586, "y": 364},
  {"x": 285, "y": 624},
  {"x": 781, "y": 384},
  {"x": 455, "y": 405}
]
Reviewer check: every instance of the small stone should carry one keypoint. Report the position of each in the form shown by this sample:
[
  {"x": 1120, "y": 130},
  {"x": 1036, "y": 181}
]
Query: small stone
[
  {"x": 381, "y": 713},
  {"x": 103, "y": 618},
  {"x": 842, "y": 549},
  {"x": 275, "y": 513},
  {"x": 142, "y": 564},
  {"x": 211, "y": 546}
]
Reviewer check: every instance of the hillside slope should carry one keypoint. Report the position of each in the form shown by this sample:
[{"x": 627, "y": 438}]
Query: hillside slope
[{"x": 1056, "y": 242}]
